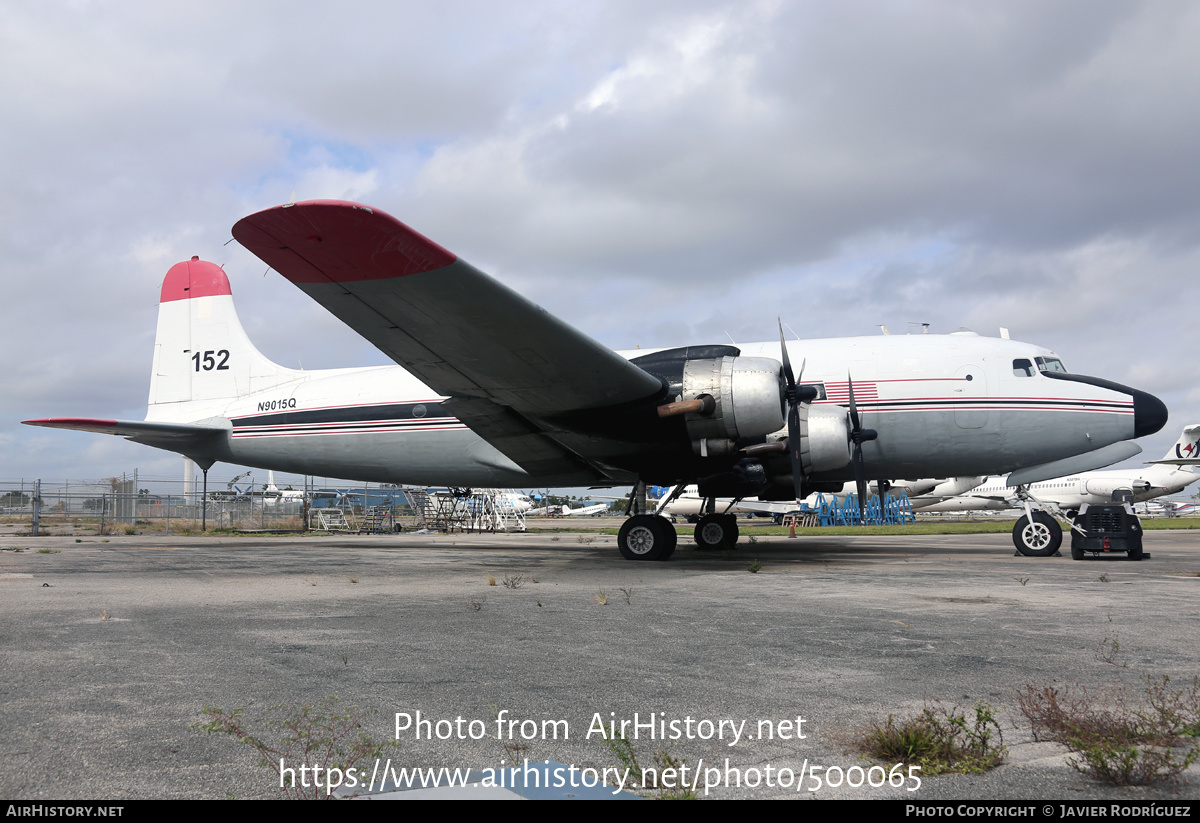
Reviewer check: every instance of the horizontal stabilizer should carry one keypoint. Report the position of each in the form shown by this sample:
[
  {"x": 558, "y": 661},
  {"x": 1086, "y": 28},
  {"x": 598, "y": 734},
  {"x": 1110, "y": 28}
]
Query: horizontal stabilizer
[
  {"x": 1089, "y": 461},
  {"x": 192, "y": 439}
]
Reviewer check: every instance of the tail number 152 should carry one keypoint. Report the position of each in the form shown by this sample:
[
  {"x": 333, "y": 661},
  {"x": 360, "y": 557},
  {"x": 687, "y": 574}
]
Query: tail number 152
[{"x": 210, "y": 360}]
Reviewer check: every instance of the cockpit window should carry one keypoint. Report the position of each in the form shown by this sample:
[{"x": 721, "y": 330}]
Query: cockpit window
[
  {"x": 1051, "y": 364},
  {"x": 1022, "y": 368}
]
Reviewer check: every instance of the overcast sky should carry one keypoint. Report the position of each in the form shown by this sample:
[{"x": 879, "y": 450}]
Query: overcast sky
[{"x": 657, "y": 174}]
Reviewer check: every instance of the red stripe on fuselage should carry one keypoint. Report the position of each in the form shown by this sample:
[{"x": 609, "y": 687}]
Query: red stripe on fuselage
[{"x": 337, "y": 406}]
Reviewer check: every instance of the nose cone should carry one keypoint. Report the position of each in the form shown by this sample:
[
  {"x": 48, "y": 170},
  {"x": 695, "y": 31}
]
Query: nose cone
[{"x": 1149, "y": 414}]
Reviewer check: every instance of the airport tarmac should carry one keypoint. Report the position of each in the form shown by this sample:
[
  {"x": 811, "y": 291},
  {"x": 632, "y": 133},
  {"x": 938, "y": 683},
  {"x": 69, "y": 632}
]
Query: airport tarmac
[{"x": 112, "y": 648}]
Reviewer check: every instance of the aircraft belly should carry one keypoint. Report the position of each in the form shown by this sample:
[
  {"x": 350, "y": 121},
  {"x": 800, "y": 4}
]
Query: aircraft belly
[
  {"x": 457, "y": 457},
  {"x": 933, "y": 444}
]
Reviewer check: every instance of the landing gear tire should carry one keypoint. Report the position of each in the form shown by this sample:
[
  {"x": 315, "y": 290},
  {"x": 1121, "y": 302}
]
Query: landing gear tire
[
  {"x": 1039, "y": 538},
  {"x": 672, "y": 540},
  {"x": 646, "y": 537},
  {"x": 716, "y": 531}
]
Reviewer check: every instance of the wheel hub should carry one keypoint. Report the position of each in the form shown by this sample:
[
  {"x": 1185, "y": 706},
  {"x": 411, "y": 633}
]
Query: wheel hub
[
  {"x": 1036, "y": 536},
  {"x": 712, "y": 534},
  {"x": 640, "y": 540}
]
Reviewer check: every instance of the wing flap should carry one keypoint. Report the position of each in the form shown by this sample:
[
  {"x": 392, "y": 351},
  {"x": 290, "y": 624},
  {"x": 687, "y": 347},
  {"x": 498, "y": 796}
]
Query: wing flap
[{"x": 521, "y": 440}]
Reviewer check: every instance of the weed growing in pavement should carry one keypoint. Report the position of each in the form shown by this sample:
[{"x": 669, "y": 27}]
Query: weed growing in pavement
[
  {"x": 939, "y": 740},
  {"x": 1119, "y": 738},
  {"x": 322, "y": 735},
  {"x": 654, "y": 778}
]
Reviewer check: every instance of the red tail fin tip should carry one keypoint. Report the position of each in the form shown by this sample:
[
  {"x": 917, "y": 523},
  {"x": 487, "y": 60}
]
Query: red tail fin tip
[{"x": 194, "y": 278}]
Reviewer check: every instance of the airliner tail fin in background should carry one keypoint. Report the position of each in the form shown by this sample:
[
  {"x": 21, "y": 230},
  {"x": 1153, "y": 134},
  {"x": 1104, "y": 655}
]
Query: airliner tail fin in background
[{"x": 1186, "y": 451}]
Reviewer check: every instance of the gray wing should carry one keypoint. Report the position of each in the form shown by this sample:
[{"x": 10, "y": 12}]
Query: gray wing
[{"x": 507, "y": 364}]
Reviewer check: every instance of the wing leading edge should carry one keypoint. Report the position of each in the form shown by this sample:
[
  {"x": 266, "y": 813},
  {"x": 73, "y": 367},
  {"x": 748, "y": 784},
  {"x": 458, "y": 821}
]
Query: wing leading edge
[{"x": 507, "y": 364}]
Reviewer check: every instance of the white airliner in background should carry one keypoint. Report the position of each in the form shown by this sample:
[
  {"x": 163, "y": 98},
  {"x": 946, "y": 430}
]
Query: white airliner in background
[
  {"x": 715, "y": 532},
  {"x": 492, "y": 391},
  {"x": 688, "y": 502},
  {"x": 584, "y": 511}
]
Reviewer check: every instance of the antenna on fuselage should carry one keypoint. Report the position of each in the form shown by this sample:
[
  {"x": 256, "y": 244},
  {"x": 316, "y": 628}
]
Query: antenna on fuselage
[{"x": 924, "y": 326}]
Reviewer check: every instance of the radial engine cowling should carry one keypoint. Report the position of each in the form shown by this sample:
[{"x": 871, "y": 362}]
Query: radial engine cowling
[
  {"x": 748, "y": 401},
  {"x": 824, "y": 439}
]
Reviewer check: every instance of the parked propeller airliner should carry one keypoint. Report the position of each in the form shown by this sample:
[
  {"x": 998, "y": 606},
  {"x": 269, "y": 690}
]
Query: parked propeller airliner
[{"x": 496, "y": 392}]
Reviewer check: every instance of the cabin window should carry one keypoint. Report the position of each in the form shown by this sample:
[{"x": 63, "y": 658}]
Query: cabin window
[
  {"x": 1022, "y": 368},
  {"x": 1051, "y": 364}
]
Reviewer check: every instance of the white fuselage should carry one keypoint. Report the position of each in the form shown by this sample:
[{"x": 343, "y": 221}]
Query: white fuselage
[{"x": 943, "y": 405}]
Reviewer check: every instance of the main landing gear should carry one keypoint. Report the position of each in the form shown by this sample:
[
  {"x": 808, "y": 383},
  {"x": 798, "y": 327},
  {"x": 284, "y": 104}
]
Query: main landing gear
[
  {"x": 716, "y": 531},
  {"x": 1037, "y": 537},
  {"x": 1039, "y": 533},
  {"x": 647, "y": 537},
  {"x": 651, "y": 537}
]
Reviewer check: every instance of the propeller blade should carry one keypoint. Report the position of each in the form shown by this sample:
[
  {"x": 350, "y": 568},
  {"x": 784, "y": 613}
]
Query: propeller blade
[
  {"x": 854, "y": 422},
  {"x": 793, "y": 416},
  {"x": 859, "y": 435},
  {"x": 860, "y": 482},
  {"x": 787, "y": 363},
  {"x": 794, "y": 440}
]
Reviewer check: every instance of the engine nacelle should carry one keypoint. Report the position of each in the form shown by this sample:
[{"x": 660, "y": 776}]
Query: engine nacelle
[
  {"x": 824, "y": 439},
  {"x": 747, "y": 401},
  {"x": 1106, "y": 486}
]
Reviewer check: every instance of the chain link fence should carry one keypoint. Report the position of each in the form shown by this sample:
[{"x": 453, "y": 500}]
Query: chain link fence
[{"x": 129, "y": 505}]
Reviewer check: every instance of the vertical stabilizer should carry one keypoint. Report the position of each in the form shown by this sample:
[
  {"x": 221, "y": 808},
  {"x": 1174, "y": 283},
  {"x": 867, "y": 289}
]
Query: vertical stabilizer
[
  {"x": 202, "y": 356},
  {"x": 1187, "y": 447}
]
